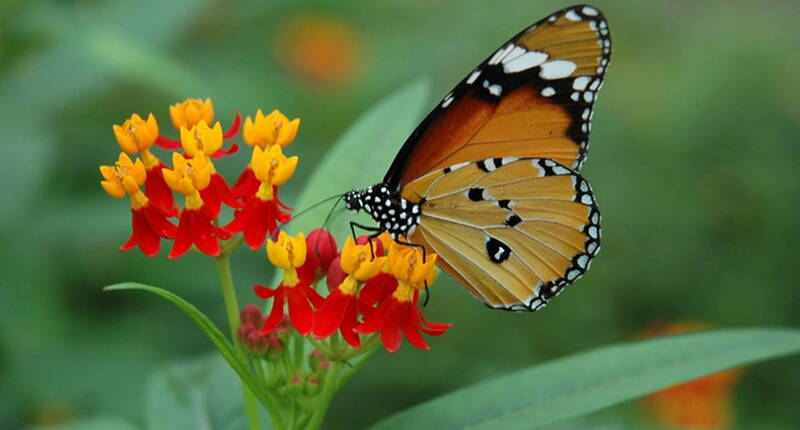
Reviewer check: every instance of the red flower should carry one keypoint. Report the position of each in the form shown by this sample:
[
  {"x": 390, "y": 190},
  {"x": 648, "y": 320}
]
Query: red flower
[
  {"x": 399, "y": 314},
  {"x": 378, "y": 289},
  {"x": 216, "y": 193},
  {"x": 148, "y": 220},
  {"x": 158, "y": 191},
  {"x": 289, "y": 254},
  {"x": 261, "y": 213},
  {"x": 196, "y": 226},
  {"x": 300, "y": 299},
  {"x": 189, "y": 114},
  {"x": 149, "y": 226},
  {"x": 342, "y": 306}
]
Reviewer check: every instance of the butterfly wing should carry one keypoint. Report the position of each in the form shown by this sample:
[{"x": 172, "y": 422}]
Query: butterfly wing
[
  {"x": 532, "y": 98},
  {"x": 514, "y": 231}
]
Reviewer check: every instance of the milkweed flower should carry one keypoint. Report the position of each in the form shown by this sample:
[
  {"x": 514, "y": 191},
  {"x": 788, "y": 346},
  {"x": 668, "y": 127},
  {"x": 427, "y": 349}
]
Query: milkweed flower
[
  {"x": 208, "y": 140},
  {"x": 149, "y": 222},
  {"x": 342, "y": 306},
  {"x": 136, "y": 135},
  {"x": 262, "y": 210},
  {"x": 322, "y": 249},
  {"x": 263, "y": 132},
  {"x": 192, "y": 112},
  {"x": 703, "y": 403},
  {"x": 289, "y": 254},
  {"x": 399, "y": 314},
  {"x": 196, "y": 226}
]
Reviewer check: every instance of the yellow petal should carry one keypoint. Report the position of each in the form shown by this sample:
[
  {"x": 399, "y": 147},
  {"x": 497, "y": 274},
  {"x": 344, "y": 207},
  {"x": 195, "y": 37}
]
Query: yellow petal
[
  {"x": 299, "y": 250},
  {"x": 171, "y": 178},
  {"x": 188, "y": 141},
  {"x": 349, "y": 255},
  {"x": 130, "y": 185},
  {"x": 124, "y": 140},
  {"x": 113, "y": 189}
]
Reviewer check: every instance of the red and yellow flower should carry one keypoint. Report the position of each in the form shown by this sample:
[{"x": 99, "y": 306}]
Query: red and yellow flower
[
  {"x": 196, "y": 226},
  {"x": 263, "y": 132},
  {"x": 190, "y": 113},
  {"x": 262, "y": 210},
  {"x": 289, "y": 254},
  {"x": 202, "y": 139},
  {"x": 342, "y": 306},
  {"x": 136, "y": 135},
  {"x": 149, "y": 222},
  {"x": 399, "y": 314}
]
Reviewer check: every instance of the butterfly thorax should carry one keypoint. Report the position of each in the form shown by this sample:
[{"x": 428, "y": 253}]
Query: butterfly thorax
[{"x": 393, "y": 213}]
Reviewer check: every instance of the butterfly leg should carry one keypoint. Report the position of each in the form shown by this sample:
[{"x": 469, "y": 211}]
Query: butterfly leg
[{"x": 375, "y": 233}]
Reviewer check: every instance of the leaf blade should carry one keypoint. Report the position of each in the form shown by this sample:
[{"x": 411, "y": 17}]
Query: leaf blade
[{"x": 590, "y": 381}]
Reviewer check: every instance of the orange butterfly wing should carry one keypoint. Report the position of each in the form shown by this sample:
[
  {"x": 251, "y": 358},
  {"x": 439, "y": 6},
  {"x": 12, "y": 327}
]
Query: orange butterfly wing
[{"x": 532, "y": 98}]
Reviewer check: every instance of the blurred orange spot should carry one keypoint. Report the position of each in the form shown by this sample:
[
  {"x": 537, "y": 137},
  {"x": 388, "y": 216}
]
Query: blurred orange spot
[
  {"x": 322, "y": 49},
  {"x": 704, "y": 403}
]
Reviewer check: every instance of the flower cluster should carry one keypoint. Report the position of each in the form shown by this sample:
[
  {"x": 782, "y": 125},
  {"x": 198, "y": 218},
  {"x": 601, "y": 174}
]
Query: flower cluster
[
  {"x": 374, "y": 288},
  {"x": 254, "y": 198}
]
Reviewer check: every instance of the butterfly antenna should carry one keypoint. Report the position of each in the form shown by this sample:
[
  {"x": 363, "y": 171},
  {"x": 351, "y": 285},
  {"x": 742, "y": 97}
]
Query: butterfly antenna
[
  {"x": 301, "y": 212},
  {"x": 330, "y": 215}
]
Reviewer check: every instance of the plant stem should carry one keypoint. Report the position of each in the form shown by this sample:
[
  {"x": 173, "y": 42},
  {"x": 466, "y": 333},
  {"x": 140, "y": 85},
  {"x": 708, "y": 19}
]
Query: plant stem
[
  {"x": 329, "y": 388},
  {"x": 232, "y": 309}
]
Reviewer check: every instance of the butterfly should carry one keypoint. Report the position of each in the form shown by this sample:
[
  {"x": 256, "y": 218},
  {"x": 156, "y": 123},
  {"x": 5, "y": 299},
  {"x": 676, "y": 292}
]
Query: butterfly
[{"x": 490, "y": 181}]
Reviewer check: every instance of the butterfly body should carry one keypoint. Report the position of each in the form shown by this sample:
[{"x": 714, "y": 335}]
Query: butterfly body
[{"x": 490, "y": 179}]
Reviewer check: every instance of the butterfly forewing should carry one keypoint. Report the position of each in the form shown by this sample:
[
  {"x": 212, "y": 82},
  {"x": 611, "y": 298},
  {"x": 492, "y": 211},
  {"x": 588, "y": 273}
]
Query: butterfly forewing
[
  {"x": 533, "y": 97},
  {"x": 515, "y": 231}
]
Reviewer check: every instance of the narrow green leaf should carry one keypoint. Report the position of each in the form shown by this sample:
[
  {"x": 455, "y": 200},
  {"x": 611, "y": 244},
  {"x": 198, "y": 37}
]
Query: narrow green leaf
[
  {"x": 206, "y": 325},
  {"x": 586, "y": 382},
  {"x": 362, "y": 155}
]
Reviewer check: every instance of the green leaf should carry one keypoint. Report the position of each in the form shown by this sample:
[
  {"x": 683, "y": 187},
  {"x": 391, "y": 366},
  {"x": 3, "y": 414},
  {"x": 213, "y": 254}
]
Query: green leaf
[
  {"x": 362, "y": 155},
  {"x": 582, "y": 383},
  {"x": 206, "y": 325},
  {"x": 201, "y": 393}
]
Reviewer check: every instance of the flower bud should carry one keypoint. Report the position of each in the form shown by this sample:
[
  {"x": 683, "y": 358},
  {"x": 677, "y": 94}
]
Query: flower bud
[
  {"x": 335, "y": 274},
  {"x": 322, "y": 249}
]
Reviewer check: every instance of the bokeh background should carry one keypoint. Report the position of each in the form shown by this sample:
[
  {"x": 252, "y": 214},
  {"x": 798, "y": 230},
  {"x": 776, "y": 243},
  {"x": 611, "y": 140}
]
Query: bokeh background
[{"x": 694, "y": 162}]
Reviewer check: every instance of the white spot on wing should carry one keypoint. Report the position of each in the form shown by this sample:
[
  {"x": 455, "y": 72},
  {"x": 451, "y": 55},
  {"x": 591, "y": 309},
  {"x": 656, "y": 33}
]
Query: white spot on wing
[
  {"x": 548, "y": 91},
  {"x": 572, "y": 15},
  {"x": 588, "y": 10},
  {"x": 472, "y": 77},
  {"x": 557, "y": 69},
  {"x": 524, "y": 62},
  {"x": 580, "y": 83}
]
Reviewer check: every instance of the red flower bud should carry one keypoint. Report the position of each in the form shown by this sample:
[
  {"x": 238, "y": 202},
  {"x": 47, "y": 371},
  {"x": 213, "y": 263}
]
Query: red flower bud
[
  {"x": 335, "y": 274},
  {"x": 322, "y": 250}
]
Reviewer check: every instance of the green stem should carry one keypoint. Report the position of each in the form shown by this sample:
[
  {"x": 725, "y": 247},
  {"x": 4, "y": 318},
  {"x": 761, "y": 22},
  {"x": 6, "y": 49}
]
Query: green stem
[
  {"x": 232, "y": 309},
  {"x": 329, "y": 388}
]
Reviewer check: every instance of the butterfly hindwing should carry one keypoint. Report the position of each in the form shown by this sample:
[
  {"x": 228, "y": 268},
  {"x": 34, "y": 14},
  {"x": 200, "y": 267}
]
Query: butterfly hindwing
[
  {"x": 515, "y": 231},
  {"x": 533, "y": 97}
]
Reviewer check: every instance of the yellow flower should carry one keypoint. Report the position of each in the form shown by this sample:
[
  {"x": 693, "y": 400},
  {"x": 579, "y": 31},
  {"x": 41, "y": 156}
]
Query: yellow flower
[
  {"x": 125, "y": 177},
  {"x": 358, "y": 263},
  {"x": 136, "y": 134},
  {"x": 288, "y": 253},
  {"x": 191, "y": 112},
  {"x": 189, "y": 177},
  {"x": 406, "y": 264},
  {"x": 272, "y": 129},
  {"x": 201, "y": 138},
  {"x": 272, "y": 168}
]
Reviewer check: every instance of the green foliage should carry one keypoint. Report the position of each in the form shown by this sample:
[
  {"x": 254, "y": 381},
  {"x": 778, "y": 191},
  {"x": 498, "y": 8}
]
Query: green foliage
[{"x": 583, "y": 383}]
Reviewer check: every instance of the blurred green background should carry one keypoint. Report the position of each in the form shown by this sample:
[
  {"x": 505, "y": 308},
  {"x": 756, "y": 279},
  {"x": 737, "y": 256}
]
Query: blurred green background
[{"x": 694, "y": 161}]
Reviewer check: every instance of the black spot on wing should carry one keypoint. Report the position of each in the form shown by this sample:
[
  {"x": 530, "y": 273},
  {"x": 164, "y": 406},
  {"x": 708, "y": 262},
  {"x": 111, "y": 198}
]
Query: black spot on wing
[{"x": 497, "y": 251}]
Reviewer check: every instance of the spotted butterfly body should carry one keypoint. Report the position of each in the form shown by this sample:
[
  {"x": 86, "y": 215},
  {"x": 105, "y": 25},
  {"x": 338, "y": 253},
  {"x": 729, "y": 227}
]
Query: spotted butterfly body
[{"x": 490, "y": 179}]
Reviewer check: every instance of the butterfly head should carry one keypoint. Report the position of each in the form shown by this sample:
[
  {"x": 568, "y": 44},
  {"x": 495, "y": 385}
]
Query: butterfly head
[{"x": 354, "y": 200}]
